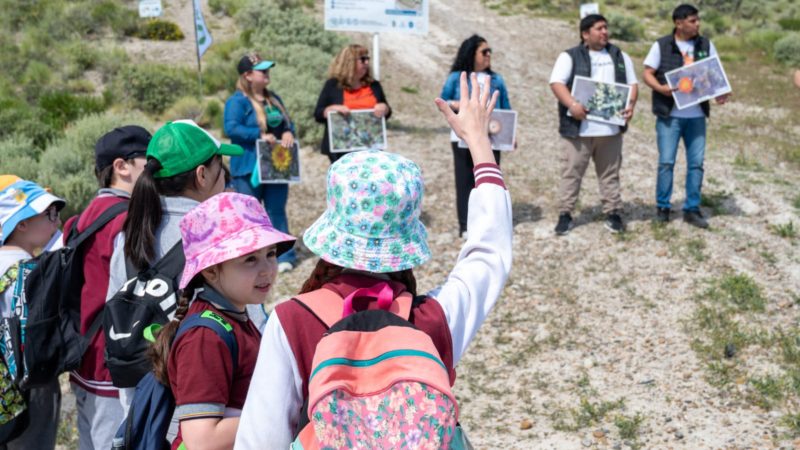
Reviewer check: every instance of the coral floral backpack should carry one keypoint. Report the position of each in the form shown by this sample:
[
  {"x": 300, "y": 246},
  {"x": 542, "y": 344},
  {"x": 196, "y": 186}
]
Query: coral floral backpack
[{"x": 377, "y": 381}]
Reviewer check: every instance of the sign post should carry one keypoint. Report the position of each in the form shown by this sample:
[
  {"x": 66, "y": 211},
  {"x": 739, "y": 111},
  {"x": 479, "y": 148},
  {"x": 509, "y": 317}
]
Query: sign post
[{"x": 376, "y": 16}]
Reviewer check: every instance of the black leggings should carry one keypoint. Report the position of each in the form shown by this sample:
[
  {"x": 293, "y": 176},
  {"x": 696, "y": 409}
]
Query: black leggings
[{"x": 465, "y": 181}]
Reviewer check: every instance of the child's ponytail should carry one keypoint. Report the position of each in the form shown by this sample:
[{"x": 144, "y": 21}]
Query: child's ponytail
[
  {"x": 325, "y": 272},
  {"x": 159, "y": 351},
  {"x": 144, "y": 216}
]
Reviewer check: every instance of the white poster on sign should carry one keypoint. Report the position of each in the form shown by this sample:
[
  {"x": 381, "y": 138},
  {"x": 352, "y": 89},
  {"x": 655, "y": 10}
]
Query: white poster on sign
[
  {"x": 150, "y": 8},
  {"x": 375, "y": 16},
  {"x": 589, "y": 8}
]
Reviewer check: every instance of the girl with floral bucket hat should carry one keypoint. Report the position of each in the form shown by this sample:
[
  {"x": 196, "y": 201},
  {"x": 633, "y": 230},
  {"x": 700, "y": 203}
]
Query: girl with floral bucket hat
[
  {"x": 231, "y": 250},
  {"x": 369, "y": 240}
]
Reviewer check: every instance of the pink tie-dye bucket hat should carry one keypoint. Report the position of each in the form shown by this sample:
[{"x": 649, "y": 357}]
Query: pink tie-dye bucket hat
[
  {"x": 224, "y": 227},
  {"x": 372, "y": 217}
]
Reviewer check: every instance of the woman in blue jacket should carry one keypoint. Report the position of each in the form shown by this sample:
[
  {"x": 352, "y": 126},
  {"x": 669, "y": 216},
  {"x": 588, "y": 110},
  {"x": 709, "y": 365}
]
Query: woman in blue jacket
[
  {"x": 253, "y": 112},
  {"x": 474, "y": 55}
]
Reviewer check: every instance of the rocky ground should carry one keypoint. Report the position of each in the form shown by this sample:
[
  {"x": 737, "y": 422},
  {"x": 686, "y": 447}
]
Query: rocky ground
[{"x": 591, "y": 344}]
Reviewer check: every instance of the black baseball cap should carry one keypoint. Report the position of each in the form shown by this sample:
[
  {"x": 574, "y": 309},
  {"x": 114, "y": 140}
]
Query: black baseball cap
[
  {"x": 125, "y": 142},
  {"x": 253, "y": 62}
]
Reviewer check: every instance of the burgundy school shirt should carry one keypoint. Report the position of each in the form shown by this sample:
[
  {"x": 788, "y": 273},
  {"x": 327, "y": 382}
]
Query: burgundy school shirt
[
  {"x": 304, "y": 330},
  {"x": 93, "y": 375},
  {"x": 200, "y": 367}
]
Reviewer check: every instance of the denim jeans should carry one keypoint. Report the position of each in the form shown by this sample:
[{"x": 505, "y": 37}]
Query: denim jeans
[
  {"x": 273, "y": 196},
  {"x": 668, "y": 135}
]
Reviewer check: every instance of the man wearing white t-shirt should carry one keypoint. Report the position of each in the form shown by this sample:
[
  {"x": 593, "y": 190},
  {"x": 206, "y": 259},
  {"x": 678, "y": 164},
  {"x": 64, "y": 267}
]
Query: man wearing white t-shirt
[
  {"x": 683, "y": 46},
  {"x": 585, "y": 140}
]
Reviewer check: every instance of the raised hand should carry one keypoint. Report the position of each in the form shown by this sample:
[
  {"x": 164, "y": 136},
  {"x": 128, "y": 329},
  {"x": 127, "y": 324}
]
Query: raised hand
[{"x": 471, "y": 124}]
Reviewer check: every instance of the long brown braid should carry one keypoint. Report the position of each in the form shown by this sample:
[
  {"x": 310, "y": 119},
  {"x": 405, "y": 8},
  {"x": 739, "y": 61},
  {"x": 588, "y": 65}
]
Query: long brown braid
[
  {"x": 325, "y": 272},
  {"x": 159, "y": 351}
]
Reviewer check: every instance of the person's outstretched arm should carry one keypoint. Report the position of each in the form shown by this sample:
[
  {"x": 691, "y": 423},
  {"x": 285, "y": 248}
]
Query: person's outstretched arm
[{"x": 483, "y": 265}]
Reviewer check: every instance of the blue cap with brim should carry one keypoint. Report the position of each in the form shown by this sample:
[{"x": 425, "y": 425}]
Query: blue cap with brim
[
  {"x": 23, "y": 200},
  {"x": 253, "y": 62},
  {"x": 264, "y": 65}
]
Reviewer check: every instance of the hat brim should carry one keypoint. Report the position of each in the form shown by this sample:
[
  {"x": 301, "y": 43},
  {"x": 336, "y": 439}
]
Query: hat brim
[
  {"x": 36, "y": 206},
  {"x": 238, "y": 244},
  {"x": 230, "y": 150},
  {"x": 264, "y": 65},
  {"x": 380, "y": 255}
]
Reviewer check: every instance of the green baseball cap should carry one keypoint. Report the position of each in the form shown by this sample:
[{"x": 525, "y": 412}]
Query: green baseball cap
[{"x": 182, "y": 145}]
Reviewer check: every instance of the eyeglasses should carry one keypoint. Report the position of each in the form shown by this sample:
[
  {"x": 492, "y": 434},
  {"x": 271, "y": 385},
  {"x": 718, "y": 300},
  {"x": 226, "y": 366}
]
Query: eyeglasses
[
  {"x": 363, "y": 59},
  {"x": 265, "y": 72},
  {"x": 486, "y": 52},
  {"x": 52, "y": 214}
]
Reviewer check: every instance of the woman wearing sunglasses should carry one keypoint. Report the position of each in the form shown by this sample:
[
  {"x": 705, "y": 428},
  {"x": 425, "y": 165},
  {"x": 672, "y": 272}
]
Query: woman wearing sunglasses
[
  {"x": 474, "y": 55},
  {"x": 350, "y": 87},
  {"x": 254, "y": 112}
]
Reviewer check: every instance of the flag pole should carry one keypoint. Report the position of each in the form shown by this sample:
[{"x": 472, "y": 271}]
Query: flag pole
[{"x": 195, "y": 6}]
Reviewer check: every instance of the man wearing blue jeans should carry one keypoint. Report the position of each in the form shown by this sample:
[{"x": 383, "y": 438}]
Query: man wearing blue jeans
[{"x": 683, "y": 46}]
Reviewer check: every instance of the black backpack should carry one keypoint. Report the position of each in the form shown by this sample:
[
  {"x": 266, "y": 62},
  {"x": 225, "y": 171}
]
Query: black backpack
[
  {"x": 149, "y": 298},
  {"x": 52, "y": 341}
]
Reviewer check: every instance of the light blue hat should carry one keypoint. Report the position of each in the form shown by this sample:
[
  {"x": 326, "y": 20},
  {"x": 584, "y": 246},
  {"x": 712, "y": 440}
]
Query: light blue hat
[
  {"x": 372, "y": 217},
  {"x": 22, "y": 200}
]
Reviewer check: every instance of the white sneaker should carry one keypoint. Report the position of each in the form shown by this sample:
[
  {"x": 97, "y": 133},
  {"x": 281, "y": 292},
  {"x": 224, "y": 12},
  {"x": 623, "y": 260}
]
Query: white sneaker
[{"x": 285, "y": 267}]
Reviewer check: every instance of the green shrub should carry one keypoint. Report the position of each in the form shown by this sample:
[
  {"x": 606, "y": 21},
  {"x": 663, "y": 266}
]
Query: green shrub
[
  {"x": 790, "y": 23},
  {"x": 154, "y": 87},
  {"x": 625, "y": 28},
  {"x": 787, "y": 50},
  {"x": 19, "y": 157},
  {"x": 226, "y": 7},
  {"x": 185, "y": 108},
  {"x": 213, "y": 115},
  {"x": 67, "y": 166},
  {"x": 160, "y": 30},
  {"x": 19, "y": 117},
  {"x": 61, "y": 107},
  {"x": 764, "y": 39}
]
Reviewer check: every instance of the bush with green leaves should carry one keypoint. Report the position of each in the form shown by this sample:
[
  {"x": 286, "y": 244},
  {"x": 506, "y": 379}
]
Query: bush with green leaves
[
  {"x": 154, "y": 87},
  {"x": 625, "y": 28},
  {"x": 787, "y": 50},
  {"x": 764, "y": 39},
  {"x": 160, "y": 30},
  {"x": 226, "y": 7},
  {"x": 67, "y": 166},
  {"x": 20, "y": 157}
]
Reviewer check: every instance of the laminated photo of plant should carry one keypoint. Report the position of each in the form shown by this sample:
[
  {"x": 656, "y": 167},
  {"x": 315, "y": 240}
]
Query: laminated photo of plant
[
  {"x": 359, "y": 130},
  {"x": 277, "y": 164},
  {"x": 698, "y": 82},
  {"x": 502, "y": 130},
  {"x": 605, "y": 101}
]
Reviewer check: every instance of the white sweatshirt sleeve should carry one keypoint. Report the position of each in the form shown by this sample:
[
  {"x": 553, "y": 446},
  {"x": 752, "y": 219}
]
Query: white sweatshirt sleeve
[
  {"x": 275, "y": 396},
  {"x": 482, "y": 268},
  {"x": 117, "y": 273}
]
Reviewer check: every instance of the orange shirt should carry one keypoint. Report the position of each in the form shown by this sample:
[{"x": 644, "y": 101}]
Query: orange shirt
[{"x": 361, "y": 98}]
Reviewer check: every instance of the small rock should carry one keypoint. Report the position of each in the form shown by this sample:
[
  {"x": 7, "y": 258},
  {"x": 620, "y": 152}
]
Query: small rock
[
  {"x": 671, "y": 430},
  {"x": 661, "y": 253},
  {"x": 730, "y": 350},
  {"x": 678, "y": 435},
  {"x": 586, "y": 442},
  {"x": 598, "y": 434},
  {"x": 617, "y": 446},
  {"x": 667, "y": 419},
  {"x": 525, "y": 424},
  {"x": 588, "y": 363}
]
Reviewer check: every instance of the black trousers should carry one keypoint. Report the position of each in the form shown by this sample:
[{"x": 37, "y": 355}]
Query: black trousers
[{"x": 465, "y": 181}]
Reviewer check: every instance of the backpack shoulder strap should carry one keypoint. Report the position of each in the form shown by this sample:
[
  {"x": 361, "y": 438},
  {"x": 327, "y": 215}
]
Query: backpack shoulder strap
[
  {"x": 326, "y": 305},
  {"x": 107, "y": 216},
  {"x": 216, "y": 323},
  {"x": 172, "y": 262}
]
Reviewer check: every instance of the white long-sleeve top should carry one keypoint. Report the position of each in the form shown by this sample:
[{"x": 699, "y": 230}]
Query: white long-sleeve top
[{"x": 275, "y": 398}]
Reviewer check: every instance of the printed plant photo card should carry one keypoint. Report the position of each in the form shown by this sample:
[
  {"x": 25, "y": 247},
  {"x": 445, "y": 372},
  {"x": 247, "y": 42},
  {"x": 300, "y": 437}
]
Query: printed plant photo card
[
  {"x": 605, "y": 101},
  {"x": 278, "y": 164},
  {"x": 697, "y": 82},
  {"x": 359, "y": 130},
  {"x": 502, "y": 130}
]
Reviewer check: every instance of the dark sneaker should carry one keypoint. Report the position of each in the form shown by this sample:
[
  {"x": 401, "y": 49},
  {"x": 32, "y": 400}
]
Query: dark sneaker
[
  {"x": 662, "y": 215},
  {"x": 564, "y": 224},
  {"x": 614, "y": 223},
  {"x": 695, "y": 219}
]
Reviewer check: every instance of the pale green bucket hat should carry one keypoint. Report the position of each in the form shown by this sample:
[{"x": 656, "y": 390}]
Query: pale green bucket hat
[{"x": 372, "y": 221}]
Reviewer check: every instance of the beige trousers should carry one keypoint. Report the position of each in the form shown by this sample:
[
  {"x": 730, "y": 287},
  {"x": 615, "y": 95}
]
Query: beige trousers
[{"x": 606, "y": 152}]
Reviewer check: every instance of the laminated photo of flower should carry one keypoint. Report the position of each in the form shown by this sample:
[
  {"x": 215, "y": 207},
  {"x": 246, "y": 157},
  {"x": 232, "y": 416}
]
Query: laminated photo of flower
[
  {"x": 359, "y": 130},
  {"x": 697, "y": 82},
  {"x": 502, "y": 130},
  {"x": 278, "y": 164},
  {"x": 605, "y": 101}
]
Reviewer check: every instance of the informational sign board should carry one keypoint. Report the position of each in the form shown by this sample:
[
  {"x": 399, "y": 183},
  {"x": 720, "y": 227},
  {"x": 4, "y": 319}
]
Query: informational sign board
[
  {"x": 589, "y": 8},
  {"x": 150, "y": 8},
  {"x": 375, "y": 16}
]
